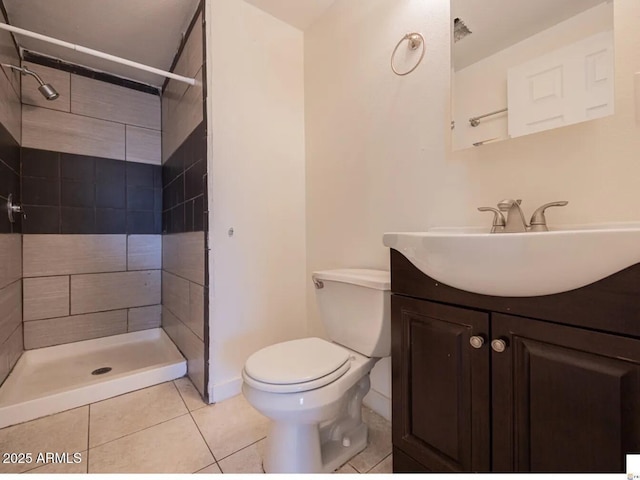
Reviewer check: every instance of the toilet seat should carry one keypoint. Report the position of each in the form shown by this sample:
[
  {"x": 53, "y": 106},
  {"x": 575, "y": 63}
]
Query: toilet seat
[{"x": 296, "y": 366}]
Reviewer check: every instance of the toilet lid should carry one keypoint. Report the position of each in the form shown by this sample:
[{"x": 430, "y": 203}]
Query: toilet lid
[{"x": 296, "y": 361}]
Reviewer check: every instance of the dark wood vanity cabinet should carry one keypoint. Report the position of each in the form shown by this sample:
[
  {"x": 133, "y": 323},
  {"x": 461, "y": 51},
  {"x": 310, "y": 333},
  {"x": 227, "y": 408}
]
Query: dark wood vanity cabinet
[{"x": 560, "y": 397}]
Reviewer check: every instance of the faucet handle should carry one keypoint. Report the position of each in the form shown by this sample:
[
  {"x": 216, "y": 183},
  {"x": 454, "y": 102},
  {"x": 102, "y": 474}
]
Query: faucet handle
[
  {"x": 538, "y": 220},
  {"x": 498, "y": 218}
]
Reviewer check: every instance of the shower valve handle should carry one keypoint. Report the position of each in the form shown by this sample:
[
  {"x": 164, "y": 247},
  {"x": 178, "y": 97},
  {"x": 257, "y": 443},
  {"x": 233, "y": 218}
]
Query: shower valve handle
[{"x": 13, "y": 208}]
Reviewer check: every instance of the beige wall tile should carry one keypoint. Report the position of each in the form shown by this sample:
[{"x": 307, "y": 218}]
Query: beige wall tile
[
  {"x": 174, "y": 108},
  {"x": 10, "y": 309},
  {"x": 72, "y": 254},
  {"x": 65, "y": 132},
  {"x": 60, "y": 80},
  {"x": 143, "y": 318},
  {"x": 4, "y": 363},
  {"x": 55, "y": 331},
  {"x": 144, "y": 145},
  {"x": 15, "y": 346},
  {"x": 167, "y": 106},
  {"x": 97, "y": 99},
  {"x": 175, "y": 295},
  {"x": 190, "y": 346},
  {"x": 192, "y": 56},
  {"x": 190, "y": 62},
  {"x": 119, "y": 416},
  {"x": 10, "y": 258},
  {"x": 193, "y": 349},
  {"x": 182, "y": 117},
  {"x": 109, "y": 291},
  {"x": 175, "y": 446},
  {"x": 183, "y": 255},
  {"x": 196, "y": 309},
  {"x": 10, "y": 352},
  {"x": 46, "y": 297},
  {"x": 10, "y": 107},
  {"x": 63, "y": 432},
  {"x": 144, "y": 252},
  {"x": 9, "y": 54},
  {"x": 171, "y": 325}
]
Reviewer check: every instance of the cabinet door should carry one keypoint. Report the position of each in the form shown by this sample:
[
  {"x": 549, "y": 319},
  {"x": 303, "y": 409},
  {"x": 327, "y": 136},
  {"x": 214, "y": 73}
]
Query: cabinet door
[
  {"x": 440, "y": 385},
  {"x": 564, "y": 399}
]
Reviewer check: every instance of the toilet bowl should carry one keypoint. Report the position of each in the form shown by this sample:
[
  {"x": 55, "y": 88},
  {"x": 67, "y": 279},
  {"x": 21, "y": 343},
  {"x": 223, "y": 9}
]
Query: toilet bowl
[{"x": 312, "y": 389}]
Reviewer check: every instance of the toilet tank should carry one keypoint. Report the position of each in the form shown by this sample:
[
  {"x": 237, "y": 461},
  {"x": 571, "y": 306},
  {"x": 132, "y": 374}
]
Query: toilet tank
[{"x": 355, "y": 307}]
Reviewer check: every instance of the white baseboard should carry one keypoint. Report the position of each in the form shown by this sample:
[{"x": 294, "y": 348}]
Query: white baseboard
[
  {"x": 222, "y": 391},
  {"x": 378, "y": 403}
]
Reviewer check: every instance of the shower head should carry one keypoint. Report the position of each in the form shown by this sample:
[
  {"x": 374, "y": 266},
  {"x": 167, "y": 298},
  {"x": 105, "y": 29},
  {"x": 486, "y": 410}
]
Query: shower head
[
  {"x": 46, "y": 89},
  {"x": 460, "y": 30}
]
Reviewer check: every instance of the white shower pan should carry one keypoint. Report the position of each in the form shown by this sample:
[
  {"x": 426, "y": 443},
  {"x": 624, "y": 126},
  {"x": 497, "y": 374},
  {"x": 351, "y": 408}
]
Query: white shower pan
[{"x": 53, "y": 379}]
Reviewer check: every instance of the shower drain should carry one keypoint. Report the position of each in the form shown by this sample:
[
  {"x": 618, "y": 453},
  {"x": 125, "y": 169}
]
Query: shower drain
[{"x": 101, "y": 371}]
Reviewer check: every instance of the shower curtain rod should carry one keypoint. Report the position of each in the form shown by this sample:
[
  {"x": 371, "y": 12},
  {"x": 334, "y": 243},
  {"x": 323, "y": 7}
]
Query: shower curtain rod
[{"x": 96, "y": 53}]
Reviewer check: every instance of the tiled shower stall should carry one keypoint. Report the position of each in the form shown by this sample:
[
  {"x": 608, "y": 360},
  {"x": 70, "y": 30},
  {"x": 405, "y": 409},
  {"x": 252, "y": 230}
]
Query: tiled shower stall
[{"x": 112, "y": 179}]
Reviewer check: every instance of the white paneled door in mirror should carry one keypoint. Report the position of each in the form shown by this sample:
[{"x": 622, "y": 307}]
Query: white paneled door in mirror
[
  {"x": 493, "y": 37},
  {"x": 569, "y": 85}
]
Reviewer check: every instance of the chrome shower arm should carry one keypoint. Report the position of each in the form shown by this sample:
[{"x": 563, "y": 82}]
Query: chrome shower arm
[
  {"x": 45, "y": 89},
  {"x": 25, "y": 71}
]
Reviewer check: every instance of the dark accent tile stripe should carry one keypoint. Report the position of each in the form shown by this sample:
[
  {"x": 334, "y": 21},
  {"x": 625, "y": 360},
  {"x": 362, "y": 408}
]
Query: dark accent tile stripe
[
  {"x": 79, "y": 194},
  {"x": 9, "y": 179},
  {"x": 184, "y": 185},
  {"x": 33, "y": 57}
]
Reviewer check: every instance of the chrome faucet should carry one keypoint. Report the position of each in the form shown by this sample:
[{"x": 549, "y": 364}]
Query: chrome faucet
[
  {"x": 514, "y": 221},
  {"x": 539, "y": 221}
]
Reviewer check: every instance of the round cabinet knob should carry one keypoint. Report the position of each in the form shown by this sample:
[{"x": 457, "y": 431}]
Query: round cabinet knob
[
  {"x": 476, "y": 341},
  {"x": 498, "y": 345}
]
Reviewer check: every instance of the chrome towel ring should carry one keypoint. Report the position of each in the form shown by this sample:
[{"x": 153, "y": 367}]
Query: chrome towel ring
[{"x": 415, "y": 40}]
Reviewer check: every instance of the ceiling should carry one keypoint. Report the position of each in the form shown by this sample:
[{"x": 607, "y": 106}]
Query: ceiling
[
  {"x": 299, "y": 13},
  {"x": 145, "y": 31},
  {"x": 497, "y": 24}
]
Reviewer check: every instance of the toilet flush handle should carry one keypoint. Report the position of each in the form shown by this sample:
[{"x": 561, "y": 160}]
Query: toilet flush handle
[{"x": 318, "y": 283}]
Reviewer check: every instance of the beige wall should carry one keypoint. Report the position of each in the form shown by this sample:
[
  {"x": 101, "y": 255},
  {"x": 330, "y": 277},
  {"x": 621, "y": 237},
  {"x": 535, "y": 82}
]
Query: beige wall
[
  {"x": 378, "y": 145},
  {"x": 256, "y": 171},
  {"x": 593, "y": 165},
  {"x": 91, "y": 118},
  {"x": 482, "y": 86},
  {"x": 376, "y": 155}
]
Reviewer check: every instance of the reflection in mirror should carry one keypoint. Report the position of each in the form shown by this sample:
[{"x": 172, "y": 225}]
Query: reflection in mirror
[{"x": 521, "y": 67}]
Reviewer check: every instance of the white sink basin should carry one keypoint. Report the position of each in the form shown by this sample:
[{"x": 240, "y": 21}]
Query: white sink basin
[{"x": 521, "y": 264}]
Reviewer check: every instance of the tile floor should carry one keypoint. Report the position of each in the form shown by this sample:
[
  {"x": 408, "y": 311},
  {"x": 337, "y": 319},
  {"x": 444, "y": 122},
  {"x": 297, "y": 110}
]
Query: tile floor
[{"x": 166, "y": 428}]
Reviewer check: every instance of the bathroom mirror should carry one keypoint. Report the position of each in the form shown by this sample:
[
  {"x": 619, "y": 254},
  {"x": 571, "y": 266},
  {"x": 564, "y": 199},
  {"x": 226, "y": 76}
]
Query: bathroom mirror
[{"x": 521, "y": 67}]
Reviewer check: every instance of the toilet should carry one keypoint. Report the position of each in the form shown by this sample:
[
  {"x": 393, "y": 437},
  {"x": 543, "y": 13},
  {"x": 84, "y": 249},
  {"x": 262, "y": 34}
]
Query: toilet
[{"x": 312, "y": 389}]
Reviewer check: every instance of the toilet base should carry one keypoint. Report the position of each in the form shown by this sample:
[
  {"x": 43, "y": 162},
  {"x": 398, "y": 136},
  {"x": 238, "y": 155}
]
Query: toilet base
[{"x": 319, "y": 448}]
